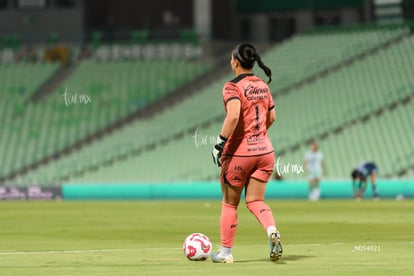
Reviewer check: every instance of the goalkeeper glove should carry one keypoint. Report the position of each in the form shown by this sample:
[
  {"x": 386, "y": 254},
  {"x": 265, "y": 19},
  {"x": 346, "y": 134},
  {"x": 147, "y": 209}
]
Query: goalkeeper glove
[{"x": 218, "y": 149}]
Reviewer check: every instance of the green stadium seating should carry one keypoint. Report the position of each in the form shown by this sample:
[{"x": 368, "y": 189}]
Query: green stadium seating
[
  {"x": 163, "y": 148},
  {"x": 115, "y": 88},
  {"x": 309, "y": 54},
  {"x": 18, "y": 83}
]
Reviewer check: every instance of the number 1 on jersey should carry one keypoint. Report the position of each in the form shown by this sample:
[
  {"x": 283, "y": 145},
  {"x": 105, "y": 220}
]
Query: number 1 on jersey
[{"x": 257, "y": 116}]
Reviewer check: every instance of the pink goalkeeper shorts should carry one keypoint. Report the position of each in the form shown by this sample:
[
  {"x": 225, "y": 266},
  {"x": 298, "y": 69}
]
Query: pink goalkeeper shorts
[{"x": 237, "y": 170}]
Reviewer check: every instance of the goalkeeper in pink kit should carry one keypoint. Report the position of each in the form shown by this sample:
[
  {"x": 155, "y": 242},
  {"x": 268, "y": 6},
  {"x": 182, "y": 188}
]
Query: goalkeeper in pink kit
[{"x": 244, "y": 152}]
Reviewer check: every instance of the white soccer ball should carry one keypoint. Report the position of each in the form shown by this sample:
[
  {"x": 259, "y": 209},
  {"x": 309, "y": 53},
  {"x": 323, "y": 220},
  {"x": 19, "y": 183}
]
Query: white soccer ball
[{"x": 197, "y": 247}]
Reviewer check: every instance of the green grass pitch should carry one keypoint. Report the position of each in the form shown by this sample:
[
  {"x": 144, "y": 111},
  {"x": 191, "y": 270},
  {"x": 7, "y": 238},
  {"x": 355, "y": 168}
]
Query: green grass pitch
[{"x": 330, "y": 237}]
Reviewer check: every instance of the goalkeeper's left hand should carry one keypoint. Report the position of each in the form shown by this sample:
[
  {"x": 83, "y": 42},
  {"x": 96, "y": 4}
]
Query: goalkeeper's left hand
[{"x": 218, "y": 149}]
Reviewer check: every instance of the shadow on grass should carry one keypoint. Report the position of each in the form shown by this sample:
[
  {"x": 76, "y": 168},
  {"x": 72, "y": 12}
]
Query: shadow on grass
[{"x": 283, "y": 260}]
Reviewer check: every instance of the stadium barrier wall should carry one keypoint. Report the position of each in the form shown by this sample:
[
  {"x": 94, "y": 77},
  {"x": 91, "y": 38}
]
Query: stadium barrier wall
[{"x": 211, "y": 190}]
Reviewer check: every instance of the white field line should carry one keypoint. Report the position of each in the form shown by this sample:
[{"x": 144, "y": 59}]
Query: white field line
[
  {"x": 169, "y": 248},
  {"x": 81, "y": 251}
]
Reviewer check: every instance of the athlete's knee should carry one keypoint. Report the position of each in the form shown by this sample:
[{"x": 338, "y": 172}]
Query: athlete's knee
[
  {"x": 231, "y": 202},
  {"x": 253, "y": 198},
  {"x": 231, "y": 197},
  {"x": 253, "y": 203}
]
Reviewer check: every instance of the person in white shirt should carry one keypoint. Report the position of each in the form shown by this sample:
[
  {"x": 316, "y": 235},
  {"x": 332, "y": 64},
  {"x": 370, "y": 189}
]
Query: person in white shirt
[{"x": 314, "y": 165}]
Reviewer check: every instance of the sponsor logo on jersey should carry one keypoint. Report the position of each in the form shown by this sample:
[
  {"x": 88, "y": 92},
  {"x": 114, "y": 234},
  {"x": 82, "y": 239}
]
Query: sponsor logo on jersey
[{"x": 256, "y": 93}]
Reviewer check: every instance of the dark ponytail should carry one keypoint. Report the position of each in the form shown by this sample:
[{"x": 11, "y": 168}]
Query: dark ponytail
[
  {"x": 265, "y": 69},
  {"x": 246, "y": 54}
]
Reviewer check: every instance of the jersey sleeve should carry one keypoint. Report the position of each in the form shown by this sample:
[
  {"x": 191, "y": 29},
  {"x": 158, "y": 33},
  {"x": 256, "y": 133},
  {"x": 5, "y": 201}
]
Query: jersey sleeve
[{"x": 230, "y": 92}]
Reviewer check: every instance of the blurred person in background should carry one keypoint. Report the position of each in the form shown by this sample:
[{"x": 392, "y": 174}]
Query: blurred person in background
[
  {"x": 314, "y": 165},
  {"x": 359, "y": 179}
]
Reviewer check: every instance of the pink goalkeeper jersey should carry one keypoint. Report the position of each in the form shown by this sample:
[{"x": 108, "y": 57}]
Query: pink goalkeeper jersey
[{"x": 250, "y": 136}]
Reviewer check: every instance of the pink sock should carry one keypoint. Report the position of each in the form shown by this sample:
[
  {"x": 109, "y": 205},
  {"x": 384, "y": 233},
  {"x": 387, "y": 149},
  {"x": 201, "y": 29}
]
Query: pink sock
[
  {"x": 262, "y": 212},
  {"x": 228, "y": 224}
]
